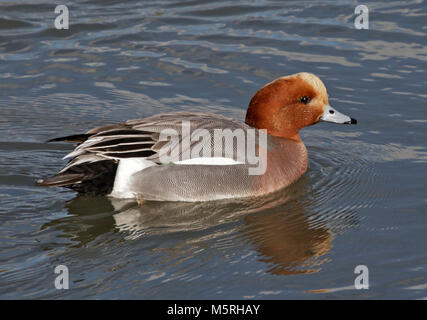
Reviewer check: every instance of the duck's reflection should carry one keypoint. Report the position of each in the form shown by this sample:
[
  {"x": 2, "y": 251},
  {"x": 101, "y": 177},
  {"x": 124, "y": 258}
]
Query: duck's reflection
[
  {"x": 287, "y": 242},
  {"x": 279, "y": 226}
]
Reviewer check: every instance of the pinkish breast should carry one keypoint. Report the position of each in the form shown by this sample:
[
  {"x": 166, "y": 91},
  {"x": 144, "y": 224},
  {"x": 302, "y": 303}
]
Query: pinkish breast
[{"x": 287, "y": 161}]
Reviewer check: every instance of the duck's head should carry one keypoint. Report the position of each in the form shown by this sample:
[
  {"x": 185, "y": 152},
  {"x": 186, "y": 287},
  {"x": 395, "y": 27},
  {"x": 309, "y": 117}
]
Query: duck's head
[{"x": 288, "y": 104}]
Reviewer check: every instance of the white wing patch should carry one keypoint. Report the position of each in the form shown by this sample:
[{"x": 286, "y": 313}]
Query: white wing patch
[{"x": 213, "y": 161}]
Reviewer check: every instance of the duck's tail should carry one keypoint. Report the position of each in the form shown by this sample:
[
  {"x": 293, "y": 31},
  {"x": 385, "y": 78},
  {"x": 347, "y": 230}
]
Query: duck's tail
[
  {"x": 61, "y": 180},
  {"x": 93, "y": 178}
]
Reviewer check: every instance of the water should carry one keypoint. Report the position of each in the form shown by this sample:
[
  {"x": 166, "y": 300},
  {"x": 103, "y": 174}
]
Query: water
[{"x": 362, "y": 201}]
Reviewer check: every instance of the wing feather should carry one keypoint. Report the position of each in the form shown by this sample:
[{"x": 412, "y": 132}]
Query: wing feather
[{"x": 101, "y": 148}]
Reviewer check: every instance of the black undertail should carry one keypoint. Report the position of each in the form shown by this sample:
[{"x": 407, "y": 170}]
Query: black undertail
[
  {"x": 92, "y": 170},
  {"x": 90, "y": 178}
]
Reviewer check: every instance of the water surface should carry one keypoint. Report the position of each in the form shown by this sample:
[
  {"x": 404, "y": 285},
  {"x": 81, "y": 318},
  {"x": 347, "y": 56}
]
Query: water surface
[{"x": 362, "y": 201}]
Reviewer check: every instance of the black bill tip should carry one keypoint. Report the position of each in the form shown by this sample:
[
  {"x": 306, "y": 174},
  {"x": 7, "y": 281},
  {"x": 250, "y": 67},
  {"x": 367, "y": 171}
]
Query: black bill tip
[{"x": 352, "y": 121}]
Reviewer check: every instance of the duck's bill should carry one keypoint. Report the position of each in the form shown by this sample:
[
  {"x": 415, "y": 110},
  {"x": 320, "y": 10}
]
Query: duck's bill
[{"x": 332, "y": 115}]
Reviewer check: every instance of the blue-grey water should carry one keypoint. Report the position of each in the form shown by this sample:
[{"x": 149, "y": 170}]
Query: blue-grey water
[{"x": 363, "y": 200}]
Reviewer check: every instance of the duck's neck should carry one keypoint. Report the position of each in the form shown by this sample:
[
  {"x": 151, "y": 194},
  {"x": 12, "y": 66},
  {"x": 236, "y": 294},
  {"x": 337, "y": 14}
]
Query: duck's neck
[{"x": 287, "y": 161}]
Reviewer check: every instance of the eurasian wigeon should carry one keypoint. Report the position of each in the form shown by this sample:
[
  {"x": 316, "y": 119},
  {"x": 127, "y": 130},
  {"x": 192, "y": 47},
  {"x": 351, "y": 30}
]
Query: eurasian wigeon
[{"x": 125, "y": 160}]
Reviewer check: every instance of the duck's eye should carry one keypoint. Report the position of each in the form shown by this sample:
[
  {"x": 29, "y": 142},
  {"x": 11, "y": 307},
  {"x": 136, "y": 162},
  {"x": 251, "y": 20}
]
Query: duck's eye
[{"x": 304, "y": 99}]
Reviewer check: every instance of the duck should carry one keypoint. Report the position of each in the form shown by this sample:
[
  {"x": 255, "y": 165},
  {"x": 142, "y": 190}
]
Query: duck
[{"x": 163, "y": 158}]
